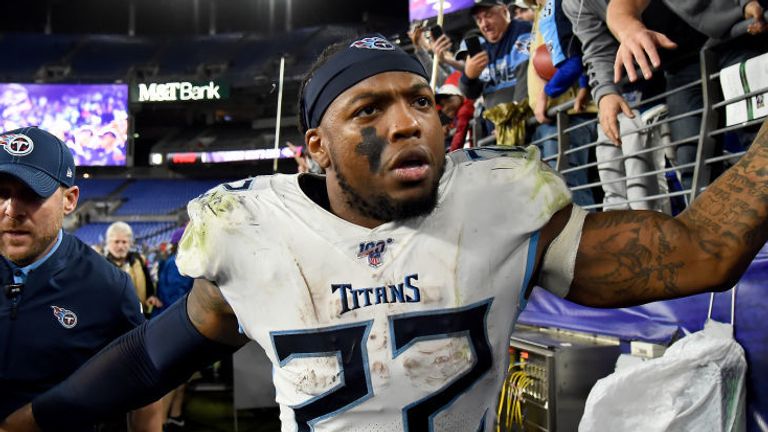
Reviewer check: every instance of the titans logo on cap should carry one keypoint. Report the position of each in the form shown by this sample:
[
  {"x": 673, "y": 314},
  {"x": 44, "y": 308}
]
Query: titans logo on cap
[
  {"x": 375, "y": 42},
  {"x": 17, "y": 144},
  {"x": 365, "y": 57},
  {"x": 66, "y": 317}
]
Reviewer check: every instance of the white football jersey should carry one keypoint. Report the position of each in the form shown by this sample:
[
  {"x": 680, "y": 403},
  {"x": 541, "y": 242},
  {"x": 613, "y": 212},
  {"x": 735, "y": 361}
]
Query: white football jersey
[{"x": 404, "y": 327}]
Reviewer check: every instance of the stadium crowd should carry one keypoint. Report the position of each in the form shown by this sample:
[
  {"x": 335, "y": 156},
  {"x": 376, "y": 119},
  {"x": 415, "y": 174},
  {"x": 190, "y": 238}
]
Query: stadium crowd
[{"x": 544, "y": 57}]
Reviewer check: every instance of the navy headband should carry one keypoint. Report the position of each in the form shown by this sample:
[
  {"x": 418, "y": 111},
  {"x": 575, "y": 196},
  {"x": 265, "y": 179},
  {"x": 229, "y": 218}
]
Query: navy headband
[{"x": 362, "y": 59}]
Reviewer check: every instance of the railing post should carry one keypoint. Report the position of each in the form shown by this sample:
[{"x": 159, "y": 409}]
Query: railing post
[
  {"x": 475, "y": 133},
  {"x": 563, "y": 141},
  {"x": 709, "y": 122}
]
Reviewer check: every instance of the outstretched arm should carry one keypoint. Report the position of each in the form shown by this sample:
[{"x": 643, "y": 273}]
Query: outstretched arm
[
  {"x": 637, "y": 43},
  {"x": 633, "y": 257},
  {"x": 140, "y": 366}
]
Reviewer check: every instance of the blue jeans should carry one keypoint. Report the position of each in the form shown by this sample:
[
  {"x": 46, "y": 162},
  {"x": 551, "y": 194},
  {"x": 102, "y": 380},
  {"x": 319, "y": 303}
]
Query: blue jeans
[
  {"x": 578, "y": 137},
  {"x": 679, "y": 103}
]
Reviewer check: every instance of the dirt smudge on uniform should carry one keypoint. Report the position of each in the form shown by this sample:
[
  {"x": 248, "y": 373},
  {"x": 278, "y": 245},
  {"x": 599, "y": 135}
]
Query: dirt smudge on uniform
[
  {"x": 435, "y": 363},
  {"x": 315, "y": 376},
  {"x": 380, "y": 370}
]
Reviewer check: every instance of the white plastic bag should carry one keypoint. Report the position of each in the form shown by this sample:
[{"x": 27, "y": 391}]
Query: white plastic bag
[{"x": 698, "y": 386}]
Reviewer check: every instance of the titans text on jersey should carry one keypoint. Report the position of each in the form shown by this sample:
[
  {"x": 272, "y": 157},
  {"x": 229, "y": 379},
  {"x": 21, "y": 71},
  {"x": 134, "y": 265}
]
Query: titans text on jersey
[{"x": 404, "y": 292}]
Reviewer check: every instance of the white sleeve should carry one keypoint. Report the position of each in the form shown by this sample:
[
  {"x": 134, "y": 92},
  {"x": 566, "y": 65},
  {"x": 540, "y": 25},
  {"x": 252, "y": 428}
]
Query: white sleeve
[
  {"x": 559, "y": 262},
  {"x": 213, "y": 219}
]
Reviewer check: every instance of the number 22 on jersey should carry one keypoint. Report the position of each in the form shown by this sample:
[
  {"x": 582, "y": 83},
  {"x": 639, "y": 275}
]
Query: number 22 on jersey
[{"x": 347, "y": 343}]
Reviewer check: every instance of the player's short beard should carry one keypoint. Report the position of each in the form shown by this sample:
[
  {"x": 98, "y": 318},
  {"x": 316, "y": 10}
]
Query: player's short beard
[{"x": 383, "y": 208}]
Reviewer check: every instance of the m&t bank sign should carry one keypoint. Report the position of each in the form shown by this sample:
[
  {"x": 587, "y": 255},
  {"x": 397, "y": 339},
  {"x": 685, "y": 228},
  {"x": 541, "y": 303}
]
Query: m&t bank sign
[{"x": 181, "y": 91}]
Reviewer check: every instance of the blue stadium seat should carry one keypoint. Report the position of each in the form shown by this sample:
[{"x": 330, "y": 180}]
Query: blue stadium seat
[
  {"x": 149, "y": 233},
  {"x": 97, "y": 188},
  {"x": 160, "y": 197}
]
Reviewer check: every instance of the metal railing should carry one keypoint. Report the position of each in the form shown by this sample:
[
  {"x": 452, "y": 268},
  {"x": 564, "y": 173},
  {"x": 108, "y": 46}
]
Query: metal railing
[{"x": 708, "y": 146}]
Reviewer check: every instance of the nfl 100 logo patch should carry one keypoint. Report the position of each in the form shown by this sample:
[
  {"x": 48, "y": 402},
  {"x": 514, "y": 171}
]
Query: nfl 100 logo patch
[{"x": 373, "y": 251}]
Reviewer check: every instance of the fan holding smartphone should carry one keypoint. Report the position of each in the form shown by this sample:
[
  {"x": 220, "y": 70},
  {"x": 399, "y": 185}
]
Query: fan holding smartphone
[
  {"x": 441, "y": 45},
  {"x": 428, "y": 39},
  {"x": 495, "y": 62}
]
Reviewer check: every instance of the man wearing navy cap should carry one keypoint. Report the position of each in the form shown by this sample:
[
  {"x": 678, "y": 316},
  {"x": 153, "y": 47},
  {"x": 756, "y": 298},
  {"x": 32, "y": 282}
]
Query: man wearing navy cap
[
  {"x": 385, "y": 292},
  {"x": 62, "y": 302},
  {"x": 499, "y": 72}
]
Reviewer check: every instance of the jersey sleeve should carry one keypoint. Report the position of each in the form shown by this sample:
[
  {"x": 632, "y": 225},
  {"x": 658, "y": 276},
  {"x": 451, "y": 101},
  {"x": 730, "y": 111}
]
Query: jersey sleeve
[
  {"x": 511, "y": 191},
  {"x": 515, "y": 178},
  {"x": 541, "y": 190},
  {"x": 214, "y": 218}
]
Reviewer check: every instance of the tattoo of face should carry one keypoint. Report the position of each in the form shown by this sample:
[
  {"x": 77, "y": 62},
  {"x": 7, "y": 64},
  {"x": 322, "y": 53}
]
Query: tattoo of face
[
  {"x": 371, "y": 147},
  {"x": 632, "y": 265}
]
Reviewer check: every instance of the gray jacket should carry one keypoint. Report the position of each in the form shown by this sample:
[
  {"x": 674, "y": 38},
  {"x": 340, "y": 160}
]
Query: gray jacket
[{"x": 713, "y": 18}]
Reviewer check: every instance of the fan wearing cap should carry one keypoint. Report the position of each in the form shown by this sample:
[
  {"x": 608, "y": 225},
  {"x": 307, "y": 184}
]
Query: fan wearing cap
[
  {"x": 521, "y": 11},
  {"x": 384, "y": 293},
  {"x": 62, "y": 301},
  {"x": 457, "y": 108},
  {"x": 498, "y": 72}
]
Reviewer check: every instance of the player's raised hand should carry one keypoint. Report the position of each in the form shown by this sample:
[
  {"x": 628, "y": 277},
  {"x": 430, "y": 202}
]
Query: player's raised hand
[{"x": 639, "y": 46}]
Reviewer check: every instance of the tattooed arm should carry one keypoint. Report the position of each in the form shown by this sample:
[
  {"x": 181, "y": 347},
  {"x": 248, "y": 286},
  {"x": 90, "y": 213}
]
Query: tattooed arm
[{"x": 633, "y": 257}]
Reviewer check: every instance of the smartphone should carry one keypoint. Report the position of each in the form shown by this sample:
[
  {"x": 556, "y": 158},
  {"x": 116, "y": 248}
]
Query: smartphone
[
  {"x": 436, "y": 31},
  {"x": 473, "y": 45}
]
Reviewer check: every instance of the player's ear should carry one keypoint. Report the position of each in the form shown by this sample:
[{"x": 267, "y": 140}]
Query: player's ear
[{"x": 317, "y": 148}]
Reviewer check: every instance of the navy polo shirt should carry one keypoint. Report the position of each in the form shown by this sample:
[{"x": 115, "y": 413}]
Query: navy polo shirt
[{"x": 73, "y": 303}]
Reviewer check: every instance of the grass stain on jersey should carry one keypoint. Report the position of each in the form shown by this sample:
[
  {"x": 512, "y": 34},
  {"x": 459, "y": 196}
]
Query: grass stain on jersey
[
  {"x": 207, "y": 211},
  {"x": 548, "y": 186},
  {"x": 220, "y": 203},
  {"x": 371, "y": 147}
]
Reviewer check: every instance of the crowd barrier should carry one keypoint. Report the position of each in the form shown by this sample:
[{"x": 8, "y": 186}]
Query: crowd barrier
[{"x": 710, "y": 155}]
